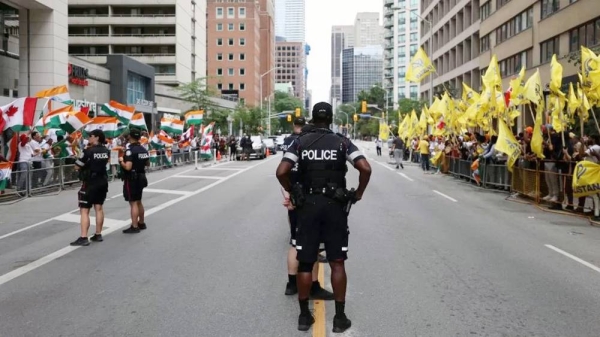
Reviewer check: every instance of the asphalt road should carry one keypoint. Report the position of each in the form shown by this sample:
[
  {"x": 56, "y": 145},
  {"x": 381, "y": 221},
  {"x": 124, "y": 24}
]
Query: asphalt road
[{"x": 429, "y": 256}]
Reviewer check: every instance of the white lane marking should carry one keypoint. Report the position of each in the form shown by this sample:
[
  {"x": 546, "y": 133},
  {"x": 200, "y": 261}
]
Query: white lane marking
[
  {"x": 223, "y": 168},
  {"x": 26, "y": 228},
  {"x": 70, "y": 217},
  {"x": 154, "y": 190},
  {"x": 445, "y": 196},
  {"x": 405, "y": 176},
  {"x": 117, "y": 226},
  {"x": 384, "y": 165},
  {"x": 573, "y": 257},
  {"x": 198, "y": 177}
]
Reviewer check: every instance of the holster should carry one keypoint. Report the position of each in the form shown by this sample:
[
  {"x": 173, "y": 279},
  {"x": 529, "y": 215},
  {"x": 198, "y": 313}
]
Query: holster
[{"x": 297, "y": 196}]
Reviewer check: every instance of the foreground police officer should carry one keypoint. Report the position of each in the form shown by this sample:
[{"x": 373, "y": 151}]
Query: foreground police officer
[
  {"x": 134, "y": 164},
  {"x": 322, "y": 204},
  {"x": 92, "y": 166},
  {"x": 291, "y": 288}
]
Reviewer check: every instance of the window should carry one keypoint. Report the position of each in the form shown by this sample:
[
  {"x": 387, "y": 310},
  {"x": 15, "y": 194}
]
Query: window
[
  {"x": 219, "y": 42},
  {"x": 414, "y": 37},
  {"x": 513, "y": 64},
  {"x": 413, "y": 49},
  {"x": 230, "y": 12},
  {"x": 242, "y": 41},
  {"x": 414, "y": 94},
  {"x": 242, "y": 86},
  {"x": 401, "y": 38},
  {"x": 219, "y": 27},
  {"x": 230, "y": 71},
  {"x": 242, "y": 72},
  {"x": 484, "y": 44},
  {"x": 242, "y": 57},
  {"x": 230, "y": 56},
  {"x": 219, "y": 71},
  {"x": 587, "y": 34},
  {"x": 219, "y": 56},
  {"x": 549, "y": 7},
  {"x": 500, "y": 3},
  {"x": 242, "y": 12},
  {"x": 549, "y": 48},
  {"x": 485, "y": 10},
  {"x": 514, "y": 26},
  {"x": 230, "y": 27},
  {"x": 242, "y": 26},
  {"x": 136, "y": 87},
  {"x": 414, "y": 3},
  {"x": 220, "y": 86},
  {"x": 230, "y": 86},
  {"x": 219, "y": 12},
  {"x": 230, "y": 41}
]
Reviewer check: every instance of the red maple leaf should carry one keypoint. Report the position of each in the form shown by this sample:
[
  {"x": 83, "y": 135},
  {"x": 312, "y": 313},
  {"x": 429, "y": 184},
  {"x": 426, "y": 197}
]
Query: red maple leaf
[{"x": 12, "y": 110}]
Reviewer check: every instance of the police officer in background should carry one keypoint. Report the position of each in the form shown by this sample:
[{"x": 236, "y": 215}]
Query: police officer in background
[
  {"x": 134, "y": 164},
  {"x": 322, "y": 204},
  {"x": 92, "y": 165},
  {"x": 316, "y": 291}
]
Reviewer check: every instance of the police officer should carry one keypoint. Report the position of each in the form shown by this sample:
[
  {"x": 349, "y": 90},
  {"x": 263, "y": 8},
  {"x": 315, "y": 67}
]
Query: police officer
[
  {"x": 92, "y": 166},
  {"x": 134, "y": 164},
  {"x": 316, "y": 291},
  {"x": 322, "y": 204}
]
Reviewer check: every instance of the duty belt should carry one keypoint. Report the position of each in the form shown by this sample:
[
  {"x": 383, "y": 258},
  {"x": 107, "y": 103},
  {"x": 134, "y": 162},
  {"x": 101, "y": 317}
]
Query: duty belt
[{"x": 317, "y": 190}]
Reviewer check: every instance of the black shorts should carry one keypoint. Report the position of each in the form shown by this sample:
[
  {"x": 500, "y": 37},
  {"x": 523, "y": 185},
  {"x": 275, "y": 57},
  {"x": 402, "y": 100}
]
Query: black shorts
[
  {"x": 92, "y": 193},
  {"x": 133, "y": 188},
  {"x": 321, "y": 219}
]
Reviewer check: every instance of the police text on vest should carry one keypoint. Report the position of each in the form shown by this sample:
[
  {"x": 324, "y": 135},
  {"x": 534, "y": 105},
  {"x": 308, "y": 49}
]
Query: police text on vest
[
  {"x": 319, "y": 154},
  {"x": 100, "y": 155}
]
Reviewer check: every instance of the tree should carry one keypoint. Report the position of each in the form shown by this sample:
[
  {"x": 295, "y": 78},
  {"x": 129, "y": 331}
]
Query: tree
[
  {"x": 375, "y": 95},
  {"x": 406, "y": 105},
  {"x": 198, "y": 93}
]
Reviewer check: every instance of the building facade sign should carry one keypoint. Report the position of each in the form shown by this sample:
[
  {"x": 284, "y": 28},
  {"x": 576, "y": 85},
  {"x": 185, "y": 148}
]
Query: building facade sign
[
  {"x": 78, "y": 75},
  {"x": 92, "y": 106}
]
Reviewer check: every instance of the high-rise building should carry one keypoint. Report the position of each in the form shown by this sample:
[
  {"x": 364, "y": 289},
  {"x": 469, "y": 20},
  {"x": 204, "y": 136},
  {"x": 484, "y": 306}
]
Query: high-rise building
[
  {"x": 290, "y": 61},
  {"x": 240, "y": 48},
  {"x": 290, "y": 18},
  {"x": 451, "y": 29},
  {"x": 528, "y": 32},
  {"x": 362, "y": 68},
  {"x": 342, "y": 37},
  {"x": 168, "y": 35},
  {"x": 401, "y": 35},
  {"x": 367, "y": 30}
]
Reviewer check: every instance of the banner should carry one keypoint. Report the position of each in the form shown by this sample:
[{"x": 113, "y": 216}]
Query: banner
[{"x": 586, "y": 179}]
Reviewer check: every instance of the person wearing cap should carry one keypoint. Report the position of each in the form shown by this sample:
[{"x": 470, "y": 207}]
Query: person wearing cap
[
  {"x": 134, "y": 164},
  {"x": 322, "y": 212},
  {"x": 92, "y": 167},
  {"x": 291, "y": 288}
]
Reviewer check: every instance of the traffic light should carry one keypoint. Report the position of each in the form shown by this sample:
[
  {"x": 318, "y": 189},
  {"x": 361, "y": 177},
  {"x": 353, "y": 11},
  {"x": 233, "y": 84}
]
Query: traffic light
[
  {"x": 298, "y": 112},
  {"x": 355, "y": 118},
  {"x": 289, "y": 118},
  {"x": 363, "y": 107}
]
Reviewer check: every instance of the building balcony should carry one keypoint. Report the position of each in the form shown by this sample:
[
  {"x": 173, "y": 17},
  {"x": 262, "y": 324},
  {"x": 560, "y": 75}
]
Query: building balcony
[
  {"x": 121, "y": 2},
  {"x": 388, "y": 45},
  {"x": 122, "y": 39},
  {"x": 387, "y": 23},
  {"x": 166, "y": 78},
  {"x": 388, "y": 74},
  {"x": 388, "y": 34},
  {"x": 123, "y": 19},
  {"x": 388, "y": 3},
  {"x": 144, "y": 58},
  {"x": 388, "y": 13}
]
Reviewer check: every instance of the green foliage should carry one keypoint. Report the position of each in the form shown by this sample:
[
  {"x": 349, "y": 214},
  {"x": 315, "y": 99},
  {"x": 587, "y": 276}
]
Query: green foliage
[
  {"x": 406, "y": 105},
  {"x": 375, "y": 95},
  {"x": 286, "y": 102},
  {"x": 198, "y": 93}
]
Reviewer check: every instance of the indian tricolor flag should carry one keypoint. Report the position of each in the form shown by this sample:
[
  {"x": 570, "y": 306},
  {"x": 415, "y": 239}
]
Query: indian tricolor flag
[
  {"x": 194, "y": 117},
  {"x": 5, "y": 170},
  {"x": 138, "y": 121},
  {"x": 207, "y": 136},
  {"x": 76, "y": 121},
  {"x": 115, "y": 109},
  {"x": 54, "y": 119},
  {"x": 171, "y": 126},
  {"x": 108, "y": 125},
  {"x": 19, "y": 114},
  {"x": 59, "y": 94}
]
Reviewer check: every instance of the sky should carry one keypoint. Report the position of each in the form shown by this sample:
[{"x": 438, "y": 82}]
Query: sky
[{"x": 321, "y": 15}]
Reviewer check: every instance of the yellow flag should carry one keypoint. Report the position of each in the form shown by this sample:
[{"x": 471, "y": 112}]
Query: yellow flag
[
  {"x": 469, "y": 96},
  {"x": 533, "y": 89},
  {"x": 586, "y": 179},
  {"x": 590, "y": 69},
  {"x": 538, "y": 137},
  {"x": 492, "y": 76},
  {"x": 556, "y": 74},
  {"x": 508, "y": 144},
  {"x": 414, "y": 123},
  {"x": 384, "y": 131},
  {"x": 517, "y": 86},
  {"x": 420, "y": 67}
]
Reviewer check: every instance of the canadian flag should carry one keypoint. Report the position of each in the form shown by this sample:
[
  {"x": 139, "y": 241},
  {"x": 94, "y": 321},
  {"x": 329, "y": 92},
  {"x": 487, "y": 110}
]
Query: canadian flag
[
  {"x": 19, "y": 114},
  {"x": 186, "y": 137}
]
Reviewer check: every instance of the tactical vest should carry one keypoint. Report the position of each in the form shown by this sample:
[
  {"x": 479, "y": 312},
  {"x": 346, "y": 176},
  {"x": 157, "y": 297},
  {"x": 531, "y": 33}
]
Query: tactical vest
[{"x": 317, "y": 165}]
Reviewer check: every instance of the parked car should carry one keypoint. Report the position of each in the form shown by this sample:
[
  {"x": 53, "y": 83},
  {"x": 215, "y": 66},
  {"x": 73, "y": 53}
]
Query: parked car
[
  {"x": 270, "y": 144},
  {"x": 259, "y": 149},
  {"x": 279, "y": 142}
]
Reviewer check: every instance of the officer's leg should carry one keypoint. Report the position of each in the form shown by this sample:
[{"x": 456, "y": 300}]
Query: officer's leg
[
  {"x": 84, "y": 211},
  {"x": 307, "y": 246},
  {"x": 292, "y": 263},
  {"x": 316, "y": 290},
  {"x": 99, "y": 218},
  {"x": 85, "y": 221},
  {"x": 141, "y": 212},
  {"x": 135, "y": 213}
]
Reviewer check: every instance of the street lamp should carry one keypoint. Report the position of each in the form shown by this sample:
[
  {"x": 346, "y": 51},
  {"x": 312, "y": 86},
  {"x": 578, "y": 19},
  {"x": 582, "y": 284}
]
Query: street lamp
[
  {"x": 261, "y": 95},
  {"x": 430, "y": 50}
]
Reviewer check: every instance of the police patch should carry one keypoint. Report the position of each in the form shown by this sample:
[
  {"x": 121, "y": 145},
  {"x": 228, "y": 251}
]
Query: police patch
[
  {"x": 81, "y": 154},
  {"x": 128, "y": 153}
]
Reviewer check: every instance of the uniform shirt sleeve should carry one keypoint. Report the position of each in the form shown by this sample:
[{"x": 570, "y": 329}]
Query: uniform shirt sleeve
[
  {"x": 291, "y": 155},
  {"x": 353, "y": 154},
  {"x": 128, "y": 156},
  {"x": 83, "y": 158},
  {"x": 286, "y": 144}
]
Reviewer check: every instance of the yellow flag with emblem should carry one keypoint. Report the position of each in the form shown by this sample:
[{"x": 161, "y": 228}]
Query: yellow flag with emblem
[
  {"x": 384, "y": 131},
  {"x": 508, "y": 144},
  {"x": 420, "y": 67},
  {"x": 586, "y": 179}
]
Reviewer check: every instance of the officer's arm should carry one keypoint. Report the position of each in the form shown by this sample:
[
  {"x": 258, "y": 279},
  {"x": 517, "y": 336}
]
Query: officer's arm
[
  {"x": 362, "y": 165},
  {"x": 285, "y": 167},
  {"x": 126, "y": 161},
  {"x": 83, "y": 160}
]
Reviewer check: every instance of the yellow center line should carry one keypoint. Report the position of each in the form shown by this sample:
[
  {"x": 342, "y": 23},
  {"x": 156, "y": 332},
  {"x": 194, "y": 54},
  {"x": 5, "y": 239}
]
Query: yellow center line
[{"x": 319, "y": 306}]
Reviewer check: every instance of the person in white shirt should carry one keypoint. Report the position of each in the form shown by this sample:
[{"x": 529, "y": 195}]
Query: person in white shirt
[
  {"x": 48, "y": 157},
  {"x": 25, "y": 154},
  {"x": 378, "y": 145}
]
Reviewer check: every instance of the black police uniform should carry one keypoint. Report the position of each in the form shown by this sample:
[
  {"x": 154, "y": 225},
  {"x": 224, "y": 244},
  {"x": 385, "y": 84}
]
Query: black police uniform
[
  {"x": 93, "y": 174},
  {"x": 135, "y": 181},
  {"x": 294, "y": 178},
  {"x": 321, "y": 156}
]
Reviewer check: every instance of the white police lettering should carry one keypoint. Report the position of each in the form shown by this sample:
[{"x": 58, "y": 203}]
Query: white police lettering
[
  {"x": 319, "y": 154},
  {"x": 143, "y": 156},
  {"x": 100, "y": 155}
]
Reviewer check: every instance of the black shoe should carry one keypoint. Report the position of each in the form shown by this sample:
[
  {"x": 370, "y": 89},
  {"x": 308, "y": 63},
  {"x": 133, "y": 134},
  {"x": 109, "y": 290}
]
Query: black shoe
[
  {"x": 131, "y": 230},
  {"x": 97, "y": 238},
  {"x": 341, "y": 323},
  {"x": 80, "y": 242},
  {"x": 397, "y": 167},
  {"x": 321, "y": 294},
  {"x": 291, "y": 289},
  {"x": 322, "y": 259},
  {"x": 402, "y": 166},
  {"x": 305, "y": 322},
  {"x": 142, "y": 226}
]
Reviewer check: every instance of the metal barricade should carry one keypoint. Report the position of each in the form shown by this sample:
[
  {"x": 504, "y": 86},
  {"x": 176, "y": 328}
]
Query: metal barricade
[{"x": 46, "y": 179}]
